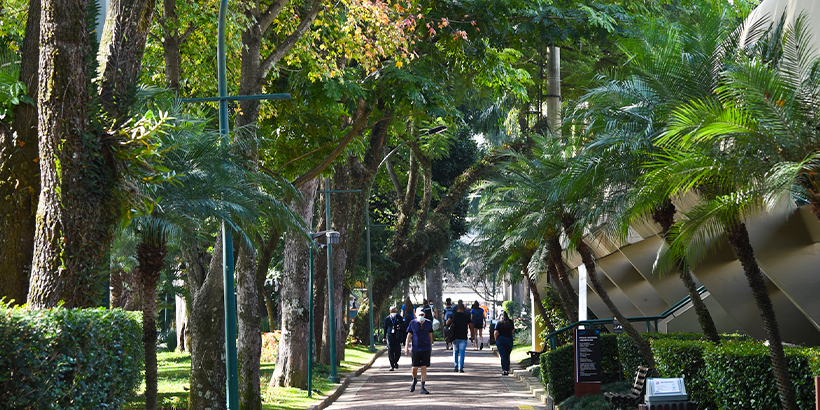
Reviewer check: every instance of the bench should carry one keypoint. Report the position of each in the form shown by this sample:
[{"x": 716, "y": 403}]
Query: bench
[
  {"x": 535, "y": 356},
  {"x": 630, "y": 400}
]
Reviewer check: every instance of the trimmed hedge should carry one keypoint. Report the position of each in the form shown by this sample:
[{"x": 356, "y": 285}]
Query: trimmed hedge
[
  {"x": 739, "y": 375},
  {"x": 631, "y": 357},
  {"x": 557, "y": 367},
  {"x": 69, "y": 358},
  {"x": 684, "y": 358}
]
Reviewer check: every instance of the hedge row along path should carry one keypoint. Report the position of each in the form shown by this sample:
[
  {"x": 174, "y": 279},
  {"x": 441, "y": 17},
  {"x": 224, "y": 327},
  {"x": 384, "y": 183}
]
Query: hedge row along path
[{"x": 480, "y": 387}]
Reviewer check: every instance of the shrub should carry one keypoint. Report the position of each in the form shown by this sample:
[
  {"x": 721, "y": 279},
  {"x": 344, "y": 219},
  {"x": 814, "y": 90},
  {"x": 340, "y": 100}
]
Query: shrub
[
  {"x": 684, "y": 358},
  {"x": 69, "y": 358},
  {"x": 270, "y": 342},
  {"x": 512, "y": 308},
  {"x": 740, "y": 376},
  {"x": 631, "y": 358},
  {"x": 610, "y": 364},
  {"x": 557, "y": 367}
]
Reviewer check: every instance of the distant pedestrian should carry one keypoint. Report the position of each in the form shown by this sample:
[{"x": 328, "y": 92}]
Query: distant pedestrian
[
  {"x": 477, "y": 315},
  {"x": 407, "y": 316},
  {"x": 420, "y": 336},
  {"x": 393, "y": 329},
  {"x": 460, "y": 322},
  {"x": 504, "y": 341},
  {"x": 448, "y": 312}
]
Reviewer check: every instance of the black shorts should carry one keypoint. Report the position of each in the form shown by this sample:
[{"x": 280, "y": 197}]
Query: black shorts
[{"x": 421, "y": 359}]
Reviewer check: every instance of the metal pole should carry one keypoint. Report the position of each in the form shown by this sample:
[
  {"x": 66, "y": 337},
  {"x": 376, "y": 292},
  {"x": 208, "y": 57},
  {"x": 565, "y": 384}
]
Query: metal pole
[
  {"x": 232, "y": 382},
  {"x": 369, "y": 269},
  {"x": 334, "y": 378},
  {"x": 310, "y": 324}
]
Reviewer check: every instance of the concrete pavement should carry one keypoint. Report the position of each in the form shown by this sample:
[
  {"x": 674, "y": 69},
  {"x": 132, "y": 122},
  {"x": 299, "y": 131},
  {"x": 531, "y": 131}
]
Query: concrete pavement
[{"x": 480, "y": 387}]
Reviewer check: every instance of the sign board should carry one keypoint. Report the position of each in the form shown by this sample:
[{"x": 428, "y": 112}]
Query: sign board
[
  {"x": 665, "y": 390},
  {"x": 616, "y": 326},
  {"x": 587, "y": 356}
]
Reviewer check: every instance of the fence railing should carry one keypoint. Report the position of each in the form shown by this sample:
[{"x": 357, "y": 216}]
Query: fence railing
[{"x": 552, "y": 338}]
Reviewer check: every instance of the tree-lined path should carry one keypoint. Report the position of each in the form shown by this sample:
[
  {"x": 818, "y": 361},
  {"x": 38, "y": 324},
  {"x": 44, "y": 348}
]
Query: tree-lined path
[{"x": 480, "y": 387}]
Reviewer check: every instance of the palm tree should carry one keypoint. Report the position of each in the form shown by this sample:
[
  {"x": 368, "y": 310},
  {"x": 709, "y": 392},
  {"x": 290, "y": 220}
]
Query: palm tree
[
  {"x": 755, "y": 137},
  {"x": 631, "y": 109},
  {"x": 200, "y": 178}
]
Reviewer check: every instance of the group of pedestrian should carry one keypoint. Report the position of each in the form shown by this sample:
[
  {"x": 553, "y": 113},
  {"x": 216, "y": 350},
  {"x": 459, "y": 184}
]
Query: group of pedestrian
[{"x": 414, "y": 329}]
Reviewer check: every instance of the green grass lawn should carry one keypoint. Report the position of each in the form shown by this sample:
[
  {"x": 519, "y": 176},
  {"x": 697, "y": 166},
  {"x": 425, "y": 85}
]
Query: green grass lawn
[
  {"x": 174, "y": 370},
  {"x": 519, "y": 354}
]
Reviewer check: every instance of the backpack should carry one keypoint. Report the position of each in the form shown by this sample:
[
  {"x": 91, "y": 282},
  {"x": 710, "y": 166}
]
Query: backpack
[{"x": 448, "y": 313}]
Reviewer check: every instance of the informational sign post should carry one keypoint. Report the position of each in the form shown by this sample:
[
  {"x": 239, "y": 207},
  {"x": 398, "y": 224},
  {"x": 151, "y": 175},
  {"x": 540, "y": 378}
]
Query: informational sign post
[{"x": 587, "y": 362}]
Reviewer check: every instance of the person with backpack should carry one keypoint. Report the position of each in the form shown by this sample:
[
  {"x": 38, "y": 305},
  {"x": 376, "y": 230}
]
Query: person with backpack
[
  {"x": 448, "y": 312},
  {"x": 477, "y": 316}
]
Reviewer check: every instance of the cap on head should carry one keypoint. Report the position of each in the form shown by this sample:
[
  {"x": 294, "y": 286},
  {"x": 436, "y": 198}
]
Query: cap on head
[
  {"x": 420, "y": 312},
  {"x": 392, "y": 308}
]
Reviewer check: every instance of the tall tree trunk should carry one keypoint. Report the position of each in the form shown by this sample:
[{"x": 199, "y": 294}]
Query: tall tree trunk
[
  {"x": 291, "y": 359},
  {"x": 665, "y": 217},
  {"x": 19, "y": 174},
  {"x": 566, "y": 302},
  {"x": 171, "y": 42},
  {"x": 207, "y": 327},
  {"x": 151, "y": 259},
  {"x": 589, "y": 262},
  {"x": 77, "y": 207},
  {"x": 62, "y": 269},
  {"x": 264, "y": 260},
  {"x": 739, "y": 239},
  {"x": 120, "y": 58},
  {"x": 249, "y": 337},
  {"x": 181, "y": 322},
  {"x": 559, "y": 275},
  {"x": 531, "y": 284}
]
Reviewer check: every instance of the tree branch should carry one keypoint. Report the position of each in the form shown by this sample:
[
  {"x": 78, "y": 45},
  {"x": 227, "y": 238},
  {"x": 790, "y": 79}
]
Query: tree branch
[
  {"x": 361, "y": 116},
  {"x": 291, "y": 40}
]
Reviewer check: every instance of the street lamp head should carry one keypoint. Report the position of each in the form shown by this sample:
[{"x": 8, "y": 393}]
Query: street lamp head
[
  {"x": 435, "y": 130},
  {"x": 332, "y": 237}
]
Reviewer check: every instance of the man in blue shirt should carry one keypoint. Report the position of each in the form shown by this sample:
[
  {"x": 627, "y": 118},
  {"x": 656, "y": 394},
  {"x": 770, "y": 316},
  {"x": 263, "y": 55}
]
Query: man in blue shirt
[{"x": 420, "y": 333}]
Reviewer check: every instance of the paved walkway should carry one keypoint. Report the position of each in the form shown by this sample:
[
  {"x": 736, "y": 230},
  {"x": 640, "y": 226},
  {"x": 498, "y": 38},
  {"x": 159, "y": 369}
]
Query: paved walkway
[{"x": 480, "y": 387}]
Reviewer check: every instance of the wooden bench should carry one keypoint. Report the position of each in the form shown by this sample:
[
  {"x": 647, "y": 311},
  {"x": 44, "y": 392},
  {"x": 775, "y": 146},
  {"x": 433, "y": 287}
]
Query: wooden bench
[{"x": 630, "y": 400}]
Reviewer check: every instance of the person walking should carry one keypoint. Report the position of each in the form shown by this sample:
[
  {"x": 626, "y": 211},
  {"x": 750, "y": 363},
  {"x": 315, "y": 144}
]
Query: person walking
[
  {"x": 504, "y": 329},
  {"x": 477, "y": 316},
  {"x": 460, "y": 322},
  {"x": 448, "y": 312},
  {"x": 420, "y": 336},
  {"x": 407, "y": 317},
  {"x": 393, "y": 329}
]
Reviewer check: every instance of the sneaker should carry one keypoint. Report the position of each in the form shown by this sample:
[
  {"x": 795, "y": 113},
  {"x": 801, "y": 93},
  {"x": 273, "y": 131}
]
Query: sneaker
[
  {"x": 461, "y": 370},
  {"x": 455, "y": 369},
  {"x": 392, "y": 368},
  {"x": 413, "y": 386},
  {"x": 423, "y": 390},
  {"x": 482, "y": 346}
]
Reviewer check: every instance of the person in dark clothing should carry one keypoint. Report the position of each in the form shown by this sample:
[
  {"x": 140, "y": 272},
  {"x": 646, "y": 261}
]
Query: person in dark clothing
[
  {"x": 504, "y": 341},
  {"x": 420, "y": 335},
  {"x": 407, "y": 317},
  {"x": 393, "y": 329},
  {"x": 461, "y": 323},
  {"x": 448, "y": 312},
  {"x": 477, "y": 315}
]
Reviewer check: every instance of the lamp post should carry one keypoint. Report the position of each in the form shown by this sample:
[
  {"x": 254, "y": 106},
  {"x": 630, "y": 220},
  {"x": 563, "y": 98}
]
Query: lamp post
[
  {"x": 432, "y": 131},
  {"x": 332, "y": 237}
]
